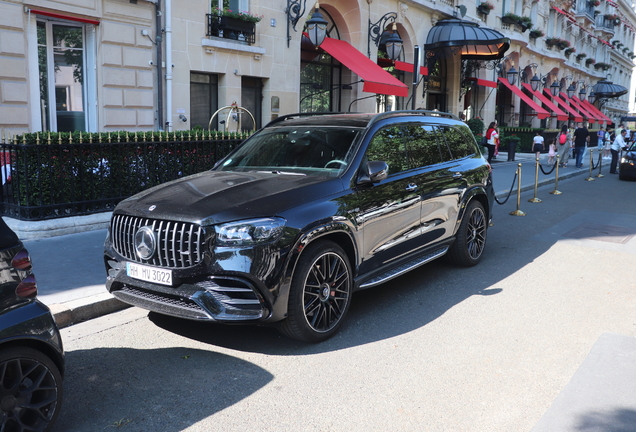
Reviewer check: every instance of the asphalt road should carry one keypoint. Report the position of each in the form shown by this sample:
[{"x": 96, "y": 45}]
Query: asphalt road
[{"x": 488, "y": 348}]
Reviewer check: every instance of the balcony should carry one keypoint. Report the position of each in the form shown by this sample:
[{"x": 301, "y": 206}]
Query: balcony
[
  {"x": 231, "y": 28},
  {"x": 586, "y": 10},
  {"x": 605, "y": 25}
]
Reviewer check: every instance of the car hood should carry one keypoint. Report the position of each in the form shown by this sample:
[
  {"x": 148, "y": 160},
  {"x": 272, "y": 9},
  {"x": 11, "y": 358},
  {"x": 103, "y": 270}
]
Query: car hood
[{"x": 220, "y": 196}]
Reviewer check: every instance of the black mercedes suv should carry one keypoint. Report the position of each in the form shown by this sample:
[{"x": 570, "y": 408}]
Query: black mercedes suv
[{"x": 306, "y": 211}]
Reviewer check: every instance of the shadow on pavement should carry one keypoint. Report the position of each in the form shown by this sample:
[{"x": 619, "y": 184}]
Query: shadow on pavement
[
  {"x": 618, "y": 420},
  {"x": 129, "y": 378}
]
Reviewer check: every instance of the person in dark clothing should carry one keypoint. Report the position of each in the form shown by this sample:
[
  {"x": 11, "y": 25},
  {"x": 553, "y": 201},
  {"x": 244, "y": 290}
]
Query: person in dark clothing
[{"x": 581, "y": 138}]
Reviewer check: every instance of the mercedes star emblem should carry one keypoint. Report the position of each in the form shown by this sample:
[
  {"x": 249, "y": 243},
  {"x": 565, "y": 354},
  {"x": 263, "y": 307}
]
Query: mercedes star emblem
[{"x": 145, "y": 243}]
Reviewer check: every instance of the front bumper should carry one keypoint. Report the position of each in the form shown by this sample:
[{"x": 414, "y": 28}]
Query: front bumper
[{"x": 207, "y": 298}]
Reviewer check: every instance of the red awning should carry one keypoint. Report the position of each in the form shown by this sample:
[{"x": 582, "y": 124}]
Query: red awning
[
  {"x": 578, "y": 107},
  {"x": 580, "y": 103},
  {"x": 598, "y": 112},
  {"x": 541, "y": 113},
  {"x": 62, "y": 16},
  {"x": 564, "y": 13},
  {"x": 376, "y": 79},
  {"x": 483, "y": 82},
  {"x": 563, "y": 104},
  {"x": 560, "y": 115},
  {"x": 401, "y": 66}
]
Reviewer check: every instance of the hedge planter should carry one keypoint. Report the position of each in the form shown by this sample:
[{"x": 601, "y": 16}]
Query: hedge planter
[{"x": 235, "y": 24}]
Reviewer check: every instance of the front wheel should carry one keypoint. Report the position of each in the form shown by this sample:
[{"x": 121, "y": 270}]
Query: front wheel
[
  {"x": 30, "y": 390},
  {"x": 320, "y": 293},
  {"x": 470, "y": 240}
]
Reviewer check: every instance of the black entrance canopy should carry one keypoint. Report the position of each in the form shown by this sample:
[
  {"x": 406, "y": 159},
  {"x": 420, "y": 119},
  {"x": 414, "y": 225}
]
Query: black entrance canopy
[
  {"x": 605, "y": 89},
  {"x": 468, "y": 38}
]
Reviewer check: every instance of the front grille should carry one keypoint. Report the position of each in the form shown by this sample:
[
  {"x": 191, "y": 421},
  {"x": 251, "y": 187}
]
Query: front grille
[{"x": 178, "y": 244}]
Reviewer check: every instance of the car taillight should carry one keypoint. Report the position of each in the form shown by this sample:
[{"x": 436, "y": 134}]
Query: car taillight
[
  {"x": 22, "y": 260},
  {"x": 28, "y": 288}
]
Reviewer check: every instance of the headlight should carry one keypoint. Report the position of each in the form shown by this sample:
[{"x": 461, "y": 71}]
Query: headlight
[{"x": 249, "y": 232}]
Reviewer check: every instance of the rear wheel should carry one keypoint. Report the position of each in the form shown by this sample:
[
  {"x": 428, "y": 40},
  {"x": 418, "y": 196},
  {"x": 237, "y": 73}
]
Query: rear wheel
[
  {"x": 470, "y": 241},
  {"x": 320, "y": 293},
  {"x": 30, "y": 390}
]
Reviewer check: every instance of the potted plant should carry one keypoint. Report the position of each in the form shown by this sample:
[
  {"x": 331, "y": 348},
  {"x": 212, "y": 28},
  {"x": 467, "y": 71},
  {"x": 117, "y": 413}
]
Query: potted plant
[
  {"x": 510, "y": 18},
  {"x": 602, "y": 65},
  {"x": 485, "y": 7},
  {"x": 237, "y": 21},
  {"x": 525, "y": 23},
  {"x": 563, "y": 44},
  {"x": 589, "y": 61},
  {"x": 594, "y": 2},
  {"x": 551, "y": 41},
  {"x": 536, "y": 33},
  {"x": 569, "y": 51},
  {"x": 581, "y": 56}
]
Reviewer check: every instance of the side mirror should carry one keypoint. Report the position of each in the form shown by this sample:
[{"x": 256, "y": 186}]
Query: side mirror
[{"x": 375, "y": 172}]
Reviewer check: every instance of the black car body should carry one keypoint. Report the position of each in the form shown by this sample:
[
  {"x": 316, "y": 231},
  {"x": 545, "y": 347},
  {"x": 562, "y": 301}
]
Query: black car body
[
  {"x": 31, "y": 352},
  {"x": 303, "y": 213},
  {"x": 627, "y": 168}
]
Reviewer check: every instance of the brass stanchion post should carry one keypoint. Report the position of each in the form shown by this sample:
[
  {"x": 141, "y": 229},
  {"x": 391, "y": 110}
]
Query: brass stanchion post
[
  {"x": 590, "y": 178},
  {"x": 556, "y": 178},
  {"x": 600, "y": 165},
  {"x": 518, "y": 212},
  {"x": 536, "y": 182}
]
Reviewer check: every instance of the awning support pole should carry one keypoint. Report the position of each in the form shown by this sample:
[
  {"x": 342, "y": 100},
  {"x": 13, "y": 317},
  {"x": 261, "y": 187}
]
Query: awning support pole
[{"x": 416, "y": 73}]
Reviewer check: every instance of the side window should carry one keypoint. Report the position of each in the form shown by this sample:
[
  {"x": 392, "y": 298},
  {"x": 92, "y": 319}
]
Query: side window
[
  {"x": 423, "y": 145},
  {"x": 388, "y": 145},
  {"x": 459, "y": 145}
]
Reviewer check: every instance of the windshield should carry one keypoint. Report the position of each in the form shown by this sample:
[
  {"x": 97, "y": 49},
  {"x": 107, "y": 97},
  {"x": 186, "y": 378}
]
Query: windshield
[{"x": 310, "y": 150}]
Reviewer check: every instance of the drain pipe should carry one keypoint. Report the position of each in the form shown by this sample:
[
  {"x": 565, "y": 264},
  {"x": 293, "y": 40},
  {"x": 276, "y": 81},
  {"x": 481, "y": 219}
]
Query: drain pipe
[
  {"x": 169, "y": 65},
  {"x": 157, "y": 42}
]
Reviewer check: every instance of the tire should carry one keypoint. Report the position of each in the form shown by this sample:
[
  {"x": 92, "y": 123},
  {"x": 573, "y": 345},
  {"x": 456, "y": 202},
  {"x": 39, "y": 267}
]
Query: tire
[
  {"x": 470, "y": 240},
  {"x": 318, "y": 299},
  {"x": 30, "y": 390}
]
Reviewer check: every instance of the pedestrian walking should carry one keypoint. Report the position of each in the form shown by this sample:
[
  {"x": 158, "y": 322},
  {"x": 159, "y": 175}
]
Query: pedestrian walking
[
  {"x": 618, "y": 145},
  {"x": 563, "y": 146},
  {"x": 600, "y": 135},
  {"x": 581, "y": 138},
  {"x": 552, "y": 152},
  {"x": 491, "y": 136},
  {"x": 607, "y": 144},
  {"x": 537, "y": 144}
]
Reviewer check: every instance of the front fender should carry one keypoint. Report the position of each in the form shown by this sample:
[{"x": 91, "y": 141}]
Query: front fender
[{"x": 337, "y": 229}]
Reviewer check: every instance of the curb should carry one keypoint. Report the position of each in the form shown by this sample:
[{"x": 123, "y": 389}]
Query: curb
[
  {"x": 84, "y": 309},
  {"x": 31, "y": 230}
]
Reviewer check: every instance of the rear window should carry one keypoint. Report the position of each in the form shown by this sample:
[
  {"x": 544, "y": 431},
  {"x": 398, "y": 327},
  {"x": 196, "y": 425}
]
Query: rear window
[{"x": 460, "y": 144}]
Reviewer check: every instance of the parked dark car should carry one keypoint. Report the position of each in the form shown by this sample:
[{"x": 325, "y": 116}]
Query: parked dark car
[
  {"x": 627, "y": 168},
  {"x": 31, "y": 353},
  {"x": 306, "y": 211}
]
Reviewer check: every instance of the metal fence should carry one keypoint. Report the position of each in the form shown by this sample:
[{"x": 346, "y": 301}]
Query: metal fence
[{"x": 47, "y": 181}]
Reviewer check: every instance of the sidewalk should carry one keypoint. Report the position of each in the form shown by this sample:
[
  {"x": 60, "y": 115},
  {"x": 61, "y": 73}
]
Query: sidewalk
[{"x": 68, "y": 260}]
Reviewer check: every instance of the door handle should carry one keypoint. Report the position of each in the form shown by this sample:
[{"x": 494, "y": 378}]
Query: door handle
[{"x": 411, "y": 187}]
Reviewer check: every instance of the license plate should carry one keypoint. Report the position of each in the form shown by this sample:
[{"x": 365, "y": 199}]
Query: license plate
[{"x": 149, "y": 274}]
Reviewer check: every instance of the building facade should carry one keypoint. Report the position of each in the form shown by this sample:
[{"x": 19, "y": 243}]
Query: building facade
[{"x": 106, "y": 65}]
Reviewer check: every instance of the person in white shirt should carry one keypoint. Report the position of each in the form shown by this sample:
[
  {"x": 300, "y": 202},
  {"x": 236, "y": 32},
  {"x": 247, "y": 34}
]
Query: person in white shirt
[
  {"x": 618, "y": 144},
  {"x": 537, "y": 146}
]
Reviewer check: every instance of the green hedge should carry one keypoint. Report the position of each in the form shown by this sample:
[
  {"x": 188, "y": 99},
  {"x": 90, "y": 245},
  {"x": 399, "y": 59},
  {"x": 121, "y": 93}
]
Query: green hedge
[{"x": 50, "y": 179}]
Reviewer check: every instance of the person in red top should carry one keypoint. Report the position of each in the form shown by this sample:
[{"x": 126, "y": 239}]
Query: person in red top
[{"x": 491, "y": 136}]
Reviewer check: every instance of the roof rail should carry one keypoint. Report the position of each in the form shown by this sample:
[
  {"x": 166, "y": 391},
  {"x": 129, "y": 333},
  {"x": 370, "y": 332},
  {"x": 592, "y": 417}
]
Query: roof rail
[
  {"x": 417, "y": 112},
  {"x": 289, "y": 116}
]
